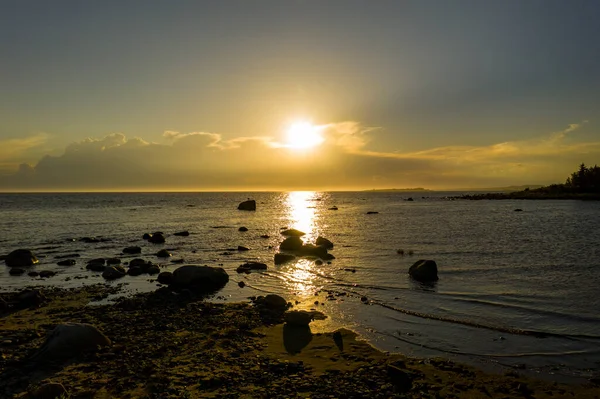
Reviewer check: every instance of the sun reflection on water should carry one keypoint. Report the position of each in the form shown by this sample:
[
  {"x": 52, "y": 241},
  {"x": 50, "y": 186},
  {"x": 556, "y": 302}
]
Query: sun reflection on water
[
  {"x": 303, "y": 216},
  {"x": 302, "y": 213}
]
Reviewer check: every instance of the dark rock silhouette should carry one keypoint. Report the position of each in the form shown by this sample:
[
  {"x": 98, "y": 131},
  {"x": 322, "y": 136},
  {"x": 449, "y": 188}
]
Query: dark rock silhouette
[
  {"x": 132, "y": 250},
  {"x": 372, "y": 213},
  {"x": 424, "y": 271},
  {"x": 293, "y": 233},
  {"x": 199, "y": 279},
  {"x": 243, "y": 228},
  {"x": 163, "y": 253},
  {"x": 20, "y": 258},
  {"x": 16, "y": 271},
  {"x": 291, "y": 244},
  {"x": 66, "y": 262},
  {"x": 324, "y": 242},
  {"x": 283, "y": 258},
  {"x": 249, "y": 266},
  {"x": 298, "y": 317},
  {"x": 113, "y": 272},
  {"x": 165, "y": 278},
  {"x": 157, "y": 238},
  {"x": 69, "y": 340},
  {"x": 249, "y": 205},
  {"x": 182, "y": 234}
]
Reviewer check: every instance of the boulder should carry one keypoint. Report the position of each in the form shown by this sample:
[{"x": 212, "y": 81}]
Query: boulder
[
  {"x": 241, "y": 284},
  {"x": 113, "y": 272},
  {"x": 249, "y": 205},
  {"x": 410, "y": 199},
  {"x": 157, "y": 238},
  {"x": 163, "y": 253},
  {"x": 324, "y": 242},
  {"x": 29, "y": 298},
  {"x": 243, "y": 228},
  {"x": 138, "y": 262},
  {"x": 146, "y": 236},
  {"x": 242, "y": 248},
  {"x": 202, "y": 279},
  {"x": 50, "y": 390},
  {"x": 47, "y": 273},
  {"x": 132, "y": 250},
  {"x": 20, "y": 258},
  {"x": 313, "y": 250},
  {"x": 66, "y": 262},
  {"x": 95, "y": 267},
  {"x": 153, "y": 269},
  {"x": 16, "y": 271},
  {"x": 69, "y": 340},
  {"x": 298, "y": 317},
  {"x": 291, "y": 244},
  {"x": 134, "y": 271},
  {"x": 249, "y": 266},
  {"x": 272, "y": 302},
  {"x": 165, "y": 278},
  {"x": 424, "y": 271},
  {"x": 283, "y": 258},
  {"x": 182, "y": 234},
  {"x": 292, "y": 233}
]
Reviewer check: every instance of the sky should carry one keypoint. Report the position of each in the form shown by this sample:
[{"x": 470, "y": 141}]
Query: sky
[{"x": 201, "y": 95}]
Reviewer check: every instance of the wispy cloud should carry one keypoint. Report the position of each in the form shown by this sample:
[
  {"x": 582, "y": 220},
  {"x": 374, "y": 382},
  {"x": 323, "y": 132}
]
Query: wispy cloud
[{"x": 11, "y": 149}]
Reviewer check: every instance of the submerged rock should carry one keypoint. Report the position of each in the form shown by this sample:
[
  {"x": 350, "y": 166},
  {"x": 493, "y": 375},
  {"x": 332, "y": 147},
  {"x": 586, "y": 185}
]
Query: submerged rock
[
  {"x": 372, "y": 213},
  {"x": 424, "y": 271},
  {"x": 47, "y": 273},
  {"x": 249, "y": 266},
  {"x": 283, "y": 258},
  {"x": 249, "y": 205},
  {"x": 16, "y": 271},
  {"x": 153, "y": 269},
  {"x": 182, "y": 234},
  {"x": 201, "y": 279},
  {"x": 20, "y": 258},
  {"x": 134, "y": 271},
  {"x": 132, "y": 250},
  {"x": 66, "y": 262},
  {"x": 243, "y": 228},
  {"x": 69, "y": 340}
]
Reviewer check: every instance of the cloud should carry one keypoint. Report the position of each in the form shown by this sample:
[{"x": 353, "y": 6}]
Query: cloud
[{"x": 201, "y": 161}]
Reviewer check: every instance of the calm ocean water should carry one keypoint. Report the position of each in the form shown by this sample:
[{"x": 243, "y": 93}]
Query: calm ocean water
[{"x": 515, "y": 288}]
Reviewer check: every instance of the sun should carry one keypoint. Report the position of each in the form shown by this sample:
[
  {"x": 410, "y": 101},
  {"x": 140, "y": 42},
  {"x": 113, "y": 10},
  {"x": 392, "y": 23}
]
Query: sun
[{"x": 302, "y": 135}]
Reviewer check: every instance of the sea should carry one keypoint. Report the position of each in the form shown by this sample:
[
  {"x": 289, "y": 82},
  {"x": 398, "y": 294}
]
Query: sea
[{"x": 516, "y": 290}]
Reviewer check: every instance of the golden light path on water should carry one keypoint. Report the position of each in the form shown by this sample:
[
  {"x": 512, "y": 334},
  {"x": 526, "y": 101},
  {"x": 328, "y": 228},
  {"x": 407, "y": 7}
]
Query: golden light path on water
[{"x": 303, "y": 216}]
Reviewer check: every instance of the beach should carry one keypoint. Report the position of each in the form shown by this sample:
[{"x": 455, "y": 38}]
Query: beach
[{"x": 166, "y": 345}]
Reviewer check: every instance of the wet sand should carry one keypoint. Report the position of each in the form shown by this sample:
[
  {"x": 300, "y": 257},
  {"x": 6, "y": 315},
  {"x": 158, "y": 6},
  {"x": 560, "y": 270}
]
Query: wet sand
[{"x": 167, "y": 345}]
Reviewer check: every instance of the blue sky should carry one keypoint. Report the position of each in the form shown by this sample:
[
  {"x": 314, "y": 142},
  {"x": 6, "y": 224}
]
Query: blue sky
[{"x": 426, "y": 74}]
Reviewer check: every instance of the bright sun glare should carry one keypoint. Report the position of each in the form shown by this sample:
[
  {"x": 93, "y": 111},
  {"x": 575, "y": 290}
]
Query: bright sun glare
[{"x": 304, "y": 135}]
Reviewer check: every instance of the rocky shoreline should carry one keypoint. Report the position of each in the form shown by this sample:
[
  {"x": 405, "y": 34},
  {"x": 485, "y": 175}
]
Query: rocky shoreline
[{"x": 175, "y": 345}]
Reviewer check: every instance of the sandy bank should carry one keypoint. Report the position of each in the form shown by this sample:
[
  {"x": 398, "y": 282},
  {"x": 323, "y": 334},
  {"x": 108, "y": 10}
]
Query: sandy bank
[{"x": 167, "y": 346}]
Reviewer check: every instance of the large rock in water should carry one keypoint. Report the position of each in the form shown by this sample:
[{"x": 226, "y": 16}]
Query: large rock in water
[
  {"x": 200, "y": 279},
  {"x": 20, "y": 257},
  {"x": 324, "y": 242},
  {"x": 69, "y": 340},
  {"x": 424, "y": 271},
  {"x": 291, "y": 244},
  {"x": 249, "y": 205},
  {"x": 113, "y": 272}
]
